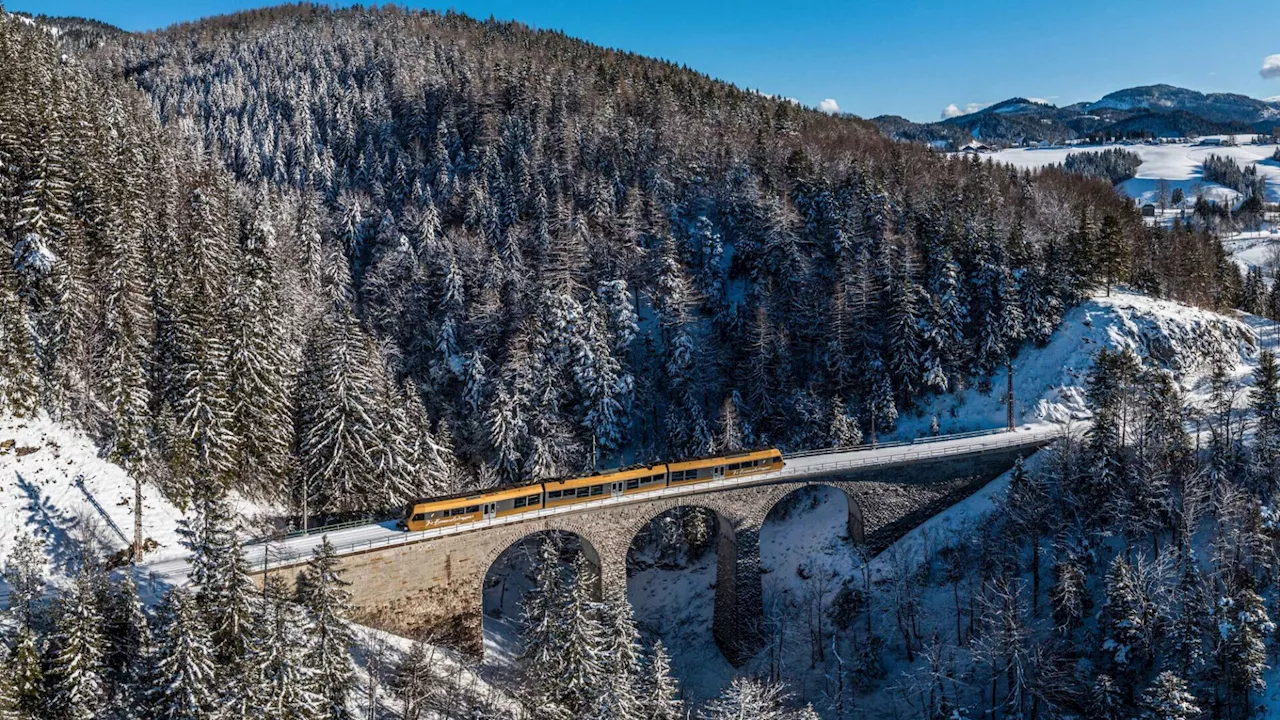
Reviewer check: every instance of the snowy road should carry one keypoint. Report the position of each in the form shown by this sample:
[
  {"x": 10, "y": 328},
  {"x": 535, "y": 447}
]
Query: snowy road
[{"x": 798, "y": 466}]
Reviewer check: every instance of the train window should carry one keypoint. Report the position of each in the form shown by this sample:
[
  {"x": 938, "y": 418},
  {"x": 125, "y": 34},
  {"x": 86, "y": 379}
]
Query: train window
[
  {"x": 584, "y": 492},
  {"x": 534, "y": 500},
  {"x": 677, "y": 475},
  {"x": 419, "y": 517},
  {"x": 553, "y": 494},
  {"x": 734, "y": 466},
  {"x": 634, "y": 483},
  {"x": 520, "y": 502},
  {"x": 473, "y": 508},
  {"x": 597, "y": 489}
]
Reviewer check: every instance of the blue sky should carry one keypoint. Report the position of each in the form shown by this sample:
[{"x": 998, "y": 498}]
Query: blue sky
[{"x": 904, "y": 58}]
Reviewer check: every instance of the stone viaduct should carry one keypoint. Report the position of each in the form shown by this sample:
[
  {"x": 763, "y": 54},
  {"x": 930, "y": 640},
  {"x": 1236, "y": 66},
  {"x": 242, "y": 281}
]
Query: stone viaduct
[{"x": 435, "y": 586}]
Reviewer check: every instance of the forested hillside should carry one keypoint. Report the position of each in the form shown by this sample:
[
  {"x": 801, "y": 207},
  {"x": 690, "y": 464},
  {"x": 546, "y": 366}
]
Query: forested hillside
[{"x": 369, "y": 254}]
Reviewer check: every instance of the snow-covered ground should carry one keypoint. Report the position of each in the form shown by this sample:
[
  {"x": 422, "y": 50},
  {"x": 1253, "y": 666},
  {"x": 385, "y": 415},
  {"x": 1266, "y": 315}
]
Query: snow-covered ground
[
  {"x": 1048, "y": 382},
  {"x": 1178, "y": 165},
  {"x": 53, "y": 484}
]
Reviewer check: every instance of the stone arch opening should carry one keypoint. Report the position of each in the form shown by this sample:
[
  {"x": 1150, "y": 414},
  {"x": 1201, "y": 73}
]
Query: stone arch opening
[
  {"x": 683, "y": 584},
  {"x": 509, "y": 575},
  {"x": 809, "y": 560},
  {"x": 794, "y": 502}
]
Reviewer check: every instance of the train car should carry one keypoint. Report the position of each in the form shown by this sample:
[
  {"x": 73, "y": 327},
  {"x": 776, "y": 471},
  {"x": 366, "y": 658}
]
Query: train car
[
  {"x": 571, "y": 491},
  {"x": 502, "y": 502},
  {"x": 689, "y": 472},
  {"x": 472, "y": 507}
]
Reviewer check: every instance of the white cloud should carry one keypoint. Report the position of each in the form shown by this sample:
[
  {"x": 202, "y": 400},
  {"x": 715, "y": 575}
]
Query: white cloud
[
  {"x": 954, "y": 110},
  {"x": 1270, "y": 67},
  {"x": 829, "y": 106}
]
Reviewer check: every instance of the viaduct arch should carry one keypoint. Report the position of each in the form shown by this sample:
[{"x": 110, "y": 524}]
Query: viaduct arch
[{"x": 435, "y": 587}]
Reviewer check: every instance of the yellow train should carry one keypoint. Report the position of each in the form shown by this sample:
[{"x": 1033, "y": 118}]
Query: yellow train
[{"x": 517, "y": 499}]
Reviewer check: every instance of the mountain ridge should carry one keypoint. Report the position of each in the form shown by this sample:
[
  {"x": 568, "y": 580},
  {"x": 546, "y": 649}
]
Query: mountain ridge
[{"x": 1159, "y": 110}]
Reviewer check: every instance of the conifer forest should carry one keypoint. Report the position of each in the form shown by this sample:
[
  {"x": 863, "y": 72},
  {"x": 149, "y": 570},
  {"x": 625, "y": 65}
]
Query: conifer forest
[{"x": 330, "y": 261}]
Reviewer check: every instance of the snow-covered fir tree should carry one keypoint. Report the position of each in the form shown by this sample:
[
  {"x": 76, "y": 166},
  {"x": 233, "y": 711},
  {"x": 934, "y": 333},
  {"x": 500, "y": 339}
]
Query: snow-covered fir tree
[
  {"x": 322, "y": 592},
  {"x": 185, "y": 685}
]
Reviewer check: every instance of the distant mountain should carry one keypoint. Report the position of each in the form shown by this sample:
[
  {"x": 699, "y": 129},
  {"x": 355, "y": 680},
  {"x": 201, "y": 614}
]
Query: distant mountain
[
  {"x": 1153, "y": 110},
  {"x": 1217, "y": 107}
]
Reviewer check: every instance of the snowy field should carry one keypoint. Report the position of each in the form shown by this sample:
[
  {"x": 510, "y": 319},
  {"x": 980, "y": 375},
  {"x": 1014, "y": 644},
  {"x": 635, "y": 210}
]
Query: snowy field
[{"x": 1179, "y": 165}]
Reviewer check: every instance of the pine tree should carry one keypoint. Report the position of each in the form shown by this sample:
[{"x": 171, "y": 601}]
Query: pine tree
[
  {"x": 76, "y": 680},
  {"x": 200, "y": 378},
  {"x": 750, "y": 699},
  {"x": 1185, "y": 637},
  {"x": 621, "y": 654},
  {"x": 605, "y": 390},
  {"x": 413, "y": 682},
  {"x": 8, "y": 687},
  {"x": 581, "y": 641},
  {"x": 540, "y": 625},
  {"x": 661, "y": 698},
  {"x": 337, "y": 418},
  {"x": 24, "y": 573},
  {"x": 260, "y": 408},
  {"x": 1168, "y": 699},
  {"x": 19, "y": 379},
  {"x": 130, "y": 650},
  {"x": 1105, "y": 701},
  {"x": 224, "y": 592},
  {"x": 321, "y": 590},
  {"x": 1127, "y": 619},
  {"x": 281, "y": 685},
  {"x": 1113, "y": 253},
  {"x": 1264, "y": 399},
  {"x": 844, "y": 430},
  {"x": 27, "y": 675},
  {"x": 1243, "y": 629},
  {"x": 185, "y": 686}
]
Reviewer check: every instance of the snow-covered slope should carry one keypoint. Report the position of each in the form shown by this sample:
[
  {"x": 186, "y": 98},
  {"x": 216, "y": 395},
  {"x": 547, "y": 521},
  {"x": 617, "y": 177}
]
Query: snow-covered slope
[
  {"x": 1048, "y": 382},
  {"x": 54, "y": 484}
]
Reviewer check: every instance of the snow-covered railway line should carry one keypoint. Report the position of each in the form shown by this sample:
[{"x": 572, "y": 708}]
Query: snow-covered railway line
[{"x": 291, "y": 551}]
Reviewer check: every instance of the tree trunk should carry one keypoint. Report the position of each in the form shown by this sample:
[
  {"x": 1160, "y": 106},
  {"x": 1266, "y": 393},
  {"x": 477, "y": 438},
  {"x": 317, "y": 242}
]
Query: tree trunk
[
  {"x": 955, "y": 588},
  {"x": 1035, "y": 575}
]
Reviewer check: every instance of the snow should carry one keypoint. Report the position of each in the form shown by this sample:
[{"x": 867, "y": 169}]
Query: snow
[
  {"x": 54, "y": 484},
  {"x": 1177, "y": 164},
  {"x": 1049, "y": 382},
  {"x": 1255, "y": 248}
]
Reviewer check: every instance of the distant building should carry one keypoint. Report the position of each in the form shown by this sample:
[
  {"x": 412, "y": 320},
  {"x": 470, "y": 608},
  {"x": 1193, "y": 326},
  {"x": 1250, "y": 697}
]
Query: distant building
[
  {"x": 1212, "y": 142},
  {"x": 1148, "y": 210},
  {"x": 1275, "y": 134},
  {"x": 976, "y": 147}
]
